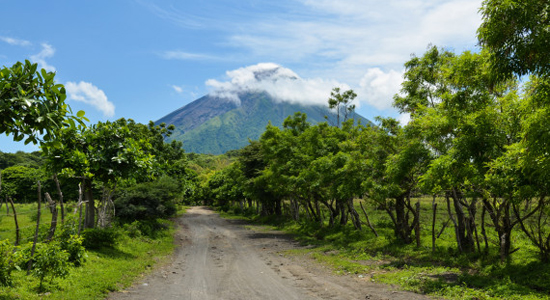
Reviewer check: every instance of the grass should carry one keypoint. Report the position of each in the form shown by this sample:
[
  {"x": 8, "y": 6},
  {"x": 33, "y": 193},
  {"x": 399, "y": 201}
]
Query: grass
[
  {"x": 106, "y": 269},
  {"x": 444, "y": 273}
]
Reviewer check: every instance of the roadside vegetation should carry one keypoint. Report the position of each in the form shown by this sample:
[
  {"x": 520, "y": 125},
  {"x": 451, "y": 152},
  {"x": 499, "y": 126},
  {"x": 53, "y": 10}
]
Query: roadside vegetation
[
  {"x": 101, "y": 261},
  {"x": 454, "y": 203}
]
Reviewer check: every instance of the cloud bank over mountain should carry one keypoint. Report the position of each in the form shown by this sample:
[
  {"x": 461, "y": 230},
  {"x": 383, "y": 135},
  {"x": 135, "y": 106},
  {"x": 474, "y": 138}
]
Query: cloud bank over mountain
[
  {"x": 376, "y": 88},
  {"x": 279, "y": 82}
]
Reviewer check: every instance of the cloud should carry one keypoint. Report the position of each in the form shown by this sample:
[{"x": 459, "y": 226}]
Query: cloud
[
  {"x": 181, "y": 55},
  {"x": 377, "y": 88},
  {"x": 90, "y": 94},
  {"x": 15, "y": 42},
  {"x": 40, "y": 58},
  {"x": 178, "y": 89},
  {"x": 281, "y": 83}
]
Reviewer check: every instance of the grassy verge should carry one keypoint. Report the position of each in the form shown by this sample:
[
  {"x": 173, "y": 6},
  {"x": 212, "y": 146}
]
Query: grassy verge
[
  {"x": 442, "y": 273},
  {"x": 105, "y": 270}
]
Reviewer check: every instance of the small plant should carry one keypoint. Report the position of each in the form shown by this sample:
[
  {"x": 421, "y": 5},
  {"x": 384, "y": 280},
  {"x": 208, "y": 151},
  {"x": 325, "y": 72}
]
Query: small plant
[
  {"x": 73, "y": 246},
  {"x": 132, "y": 229},
  {"x": 7, "y": 264},
  {"x": 97, "y": 238},
  {"x": 49, "y": 260}
]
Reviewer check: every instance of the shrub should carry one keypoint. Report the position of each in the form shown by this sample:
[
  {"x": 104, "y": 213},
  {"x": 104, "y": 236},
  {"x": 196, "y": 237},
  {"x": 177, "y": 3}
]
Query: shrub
[
  {"x": 7, "y": 264},
  {"x": 22, "y": 256},
  {"x": 132, "y": 229},
  {"x": 49, "y": 260},
  {"x": 75, "y": 249},
  {"x": 97, "y": 238},
  {"x": 147, "y": 201}
]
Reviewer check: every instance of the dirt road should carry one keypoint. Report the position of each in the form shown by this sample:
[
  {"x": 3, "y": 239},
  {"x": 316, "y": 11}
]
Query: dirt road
[{"x": 220, "y": 259}]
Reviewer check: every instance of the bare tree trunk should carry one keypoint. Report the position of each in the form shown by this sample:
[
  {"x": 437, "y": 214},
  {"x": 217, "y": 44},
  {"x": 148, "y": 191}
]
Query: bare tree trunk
[
  {"x": 368, "y": 221},
  {"x": 37, "y": 228},
  {"x": 89, "y": 221},
  {"x": 434, "y": 216},
  {"x": 417, "y": 224},
  {"x": 79, "y": 206},
  {"x": 483, "y": 233},
  {"x": 53, "y": 209},
  {"x": 354, "y": 215},
  {"x": 17, "y": 237},
  {"x": 61, "y": 204},
  {"x": 319, "y": 212},
  {"x": 457, "y": 235}
]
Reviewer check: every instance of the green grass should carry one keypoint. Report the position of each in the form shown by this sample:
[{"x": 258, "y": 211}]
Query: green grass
[
  {"x": 106, "y": 269},
  {"x": 444, "y": 273}
]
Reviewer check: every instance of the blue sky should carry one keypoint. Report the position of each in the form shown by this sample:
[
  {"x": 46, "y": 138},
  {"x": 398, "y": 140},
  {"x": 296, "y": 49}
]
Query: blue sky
[{"x": 142, "y": 59}]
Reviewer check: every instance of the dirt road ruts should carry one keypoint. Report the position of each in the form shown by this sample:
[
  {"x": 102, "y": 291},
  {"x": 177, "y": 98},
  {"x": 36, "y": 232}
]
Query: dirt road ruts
[{"x": 220, "y": 259}]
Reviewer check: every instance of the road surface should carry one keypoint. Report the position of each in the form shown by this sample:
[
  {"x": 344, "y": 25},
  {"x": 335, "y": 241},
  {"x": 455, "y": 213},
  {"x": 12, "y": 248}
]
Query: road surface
[{"x": 221, "y": 259}]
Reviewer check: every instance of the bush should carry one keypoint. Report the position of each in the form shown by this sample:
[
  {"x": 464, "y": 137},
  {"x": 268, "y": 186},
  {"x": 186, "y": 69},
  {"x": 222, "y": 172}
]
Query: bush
[
  {"x": 22, "y": 256},
  {"x": 132, "y": 229},
  {"x": 7, "y": 264},
  {"x": 67, "y": 236},
  {"x": 97, "y": 238},
  {"x": 49, "y": 260},
  {"x": 147, "y": 201},
  {"x": 75, "y": 249}
]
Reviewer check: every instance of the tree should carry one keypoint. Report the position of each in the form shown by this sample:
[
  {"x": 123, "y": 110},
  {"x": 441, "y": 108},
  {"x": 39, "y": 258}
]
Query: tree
[
  {"x": 341, "y": 102},
  {"x": 516, "y": 34},
  {"x": 105, "y": 152},
  {"x": 32, "y": 105}
]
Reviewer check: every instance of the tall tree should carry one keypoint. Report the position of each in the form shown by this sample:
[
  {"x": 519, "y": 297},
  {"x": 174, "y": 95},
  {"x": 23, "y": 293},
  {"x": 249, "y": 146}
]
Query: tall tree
[
  {"x": 516, "y": 34},
  {"x": 32, "y": 104}
]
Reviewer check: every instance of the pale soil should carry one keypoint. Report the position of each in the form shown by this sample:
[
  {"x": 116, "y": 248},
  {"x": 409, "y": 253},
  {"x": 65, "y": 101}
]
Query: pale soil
[{"x": 221, "y": 259}]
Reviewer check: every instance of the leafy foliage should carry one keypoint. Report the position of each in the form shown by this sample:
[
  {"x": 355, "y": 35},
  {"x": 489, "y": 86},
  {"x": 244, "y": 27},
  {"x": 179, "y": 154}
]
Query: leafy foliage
[
  {"x": 32, "y": 105},
  {"x": 148, "y": 201},
  {"x": 97, "y": 238},
  {"x": 7, "y": 264}
]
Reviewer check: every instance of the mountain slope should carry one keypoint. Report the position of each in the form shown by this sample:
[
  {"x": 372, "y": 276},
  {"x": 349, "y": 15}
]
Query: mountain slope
[{"x": 214, "y": 125}]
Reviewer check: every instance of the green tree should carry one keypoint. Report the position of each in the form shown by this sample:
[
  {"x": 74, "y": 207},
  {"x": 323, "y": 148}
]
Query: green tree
[
  {"x": 32, "y": 105},
  {"x": 342, "y": 103},
  {"x": 516, "y": 34},
  {"x": 105, "y": 152}
]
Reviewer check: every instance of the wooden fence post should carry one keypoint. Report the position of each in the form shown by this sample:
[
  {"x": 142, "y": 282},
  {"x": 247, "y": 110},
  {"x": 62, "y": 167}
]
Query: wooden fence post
[
  {"x": 434, "y": 207},
  {"x": 17, "y": 237},
  {"x": 53, "y": 210},
  {"x": 37, "y": 228},
  {"x": 61, "y": 204}
]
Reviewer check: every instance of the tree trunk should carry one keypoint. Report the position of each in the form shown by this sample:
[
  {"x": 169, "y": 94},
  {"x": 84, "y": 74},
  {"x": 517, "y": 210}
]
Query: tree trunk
[
  {"x": 354, "y": 215},
  {"x": 465, "y": 228},
  {"x": 61, "y": 204},
  {"x": 29, "y": 265},
  {"x": 17, "y": 236},
  {"x": 368, "y": 221},
  {"x": 53, "y": 210},
  {"x": 89, "y": 221},
  {"x": 343, "y": 213},
  {"x": 434, "y": 216},
  {"x": 401, "y": 220}
]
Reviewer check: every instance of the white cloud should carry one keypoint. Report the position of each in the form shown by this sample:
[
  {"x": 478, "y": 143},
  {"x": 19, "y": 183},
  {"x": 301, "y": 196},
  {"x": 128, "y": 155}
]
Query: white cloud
[
  {"x": 15, "y": 42},
  {"x": 178, "y": 89},
  {"x": 377, "y": 88},
  {"x": 363, "y": 43},
  {"x": 181, "y": 55},
  {"x": 90, "y": 94},
  {"x": 345, "y": 36},
  {"x": 40, "y": 58},
  {"x": 281, "y": 83}
]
